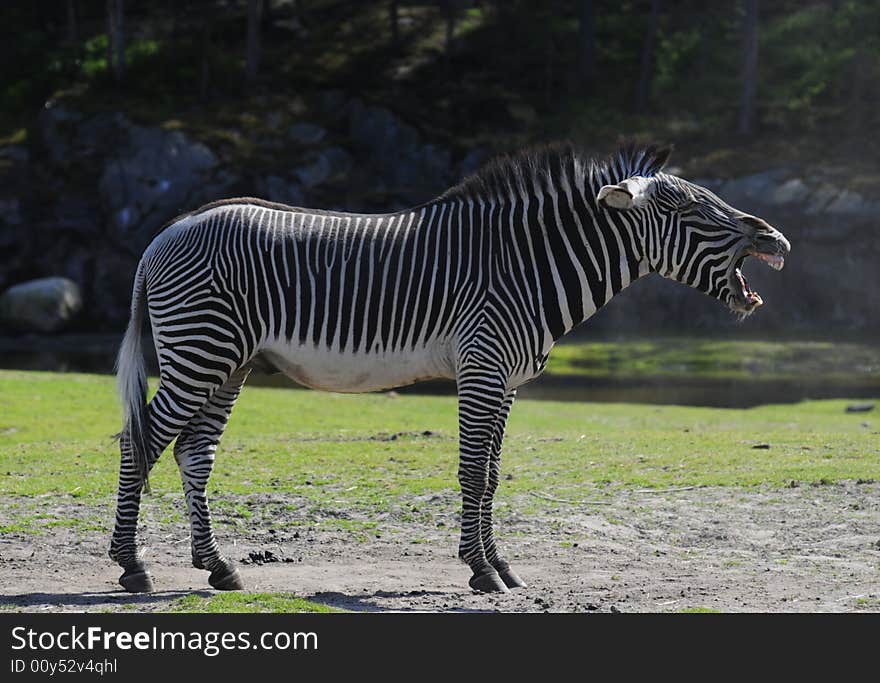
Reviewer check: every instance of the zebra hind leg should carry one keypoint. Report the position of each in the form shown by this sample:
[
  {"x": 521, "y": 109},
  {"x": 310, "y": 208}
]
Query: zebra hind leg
[
  {"x": 123, "y": 545},
  {"x": 167, "y": 413},
  {"x": 194, "y": 452},
  {"x": 508, "y": 576}
]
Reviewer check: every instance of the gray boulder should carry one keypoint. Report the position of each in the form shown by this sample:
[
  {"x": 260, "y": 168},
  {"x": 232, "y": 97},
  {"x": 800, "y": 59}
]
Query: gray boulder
[{"x": 44, "y": 305}]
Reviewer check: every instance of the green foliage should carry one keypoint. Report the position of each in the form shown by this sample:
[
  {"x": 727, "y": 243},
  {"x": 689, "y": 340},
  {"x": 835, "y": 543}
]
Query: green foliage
[
  {"x": 94, "y": 61},
  {"x": 819, "y": 63}
]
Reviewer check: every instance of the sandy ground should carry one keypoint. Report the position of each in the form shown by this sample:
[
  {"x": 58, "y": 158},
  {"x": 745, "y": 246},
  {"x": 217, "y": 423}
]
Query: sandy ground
[{"x": 808, "y": 548}]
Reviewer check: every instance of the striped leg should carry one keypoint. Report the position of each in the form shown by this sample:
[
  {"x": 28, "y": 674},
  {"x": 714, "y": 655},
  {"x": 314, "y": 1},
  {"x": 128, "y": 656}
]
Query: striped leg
[
  {"x": 510, "y": 578},
  {"x": 194, "y": 452},
  {"x": 167, "y": 414},
  {"x": 481, "y": 395}
]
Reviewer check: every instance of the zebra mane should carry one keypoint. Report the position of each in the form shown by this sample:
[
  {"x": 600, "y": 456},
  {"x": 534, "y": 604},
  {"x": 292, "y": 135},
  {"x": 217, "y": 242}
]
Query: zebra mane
[{"x": 548, "y": 163}]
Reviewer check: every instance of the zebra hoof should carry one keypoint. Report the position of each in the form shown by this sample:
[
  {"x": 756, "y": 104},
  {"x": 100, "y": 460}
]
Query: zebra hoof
[
  {"x": 226, "y": 578},
  {"x": 489, "y": 581},
  {"x": 136, "y": 580},
  {"x": 511, "y": 578}
]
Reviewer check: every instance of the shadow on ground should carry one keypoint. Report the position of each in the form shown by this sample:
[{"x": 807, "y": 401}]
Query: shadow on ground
[
  {"x": 367, "y": 602},
  {"x": 96, "y": 599}
]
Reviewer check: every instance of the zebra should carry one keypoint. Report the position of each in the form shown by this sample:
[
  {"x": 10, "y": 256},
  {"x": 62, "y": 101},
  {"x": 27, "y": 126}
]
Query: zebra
[{"x": 476, "y": 286}]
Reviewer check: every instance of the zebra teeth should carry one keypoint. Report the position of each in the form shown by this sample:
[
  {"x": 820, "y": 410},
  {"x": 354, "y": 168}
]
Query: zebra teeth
[{"x": 775, "y": 261}]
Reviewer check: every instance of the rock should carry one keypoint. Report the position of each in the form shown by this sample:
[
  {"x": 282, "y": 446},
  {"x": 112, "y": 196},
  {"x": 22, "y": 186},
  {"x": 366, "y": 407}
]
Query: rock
[
  {"x": 10, "y": 210},
  {"x": 758, "y": 187},
  {"x": 306, "y": 133},
  {"x": 101, "y": 135},
  {"x": 325, "y": 166},
  {"x": 111, "y": 284},
  {"x": 410, "y": 169},
  {"x": 274, "y": 120},
  {"x": 277, "y": 189},
  {"x": 76, "y": 214},
  {"x": 332, "y": 103},
  {"x": 17, "y": 154},
  {"x": 473, "y": 161},
  {"x": 44, "y": 305},
  {"x": 820, "y": 198},
  {"x": 847, "y": 202},
  {"x": 57, "y": 130},
  {"x": 860, "y": 407},
  {"x": 156, "y": 175},
  {"x": 791, "y": 191}
]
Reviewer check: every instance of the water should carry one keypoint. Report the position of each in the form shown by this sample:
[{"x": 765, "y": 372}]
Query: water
[{"x": 96, "y": 354}]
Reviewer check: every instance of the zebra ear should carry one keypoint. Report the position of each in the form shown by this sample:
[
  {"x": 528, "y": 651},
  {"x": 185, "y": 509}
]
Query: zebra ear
[
  {"x": 614, "y": 197},
  {"x": 627, "y": 194}
]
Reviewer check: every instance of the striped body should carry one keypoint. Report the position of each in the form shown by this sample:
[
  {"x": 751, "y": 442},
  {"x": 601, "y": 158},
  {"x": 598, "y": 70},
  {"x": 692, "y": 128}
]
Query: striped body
[{"x": 475, "y": 286}]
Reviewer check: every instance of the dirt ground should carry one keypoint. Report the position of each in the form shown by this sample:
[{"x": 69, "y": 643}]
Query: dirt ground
[{"x": 807, "y": 548}]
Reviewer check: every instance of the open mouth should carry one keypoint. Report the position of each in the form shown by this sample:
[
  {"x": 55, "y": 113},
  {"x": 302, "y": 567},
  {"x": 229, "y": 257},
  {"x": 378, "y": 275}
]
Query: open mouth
[{"x": 746, "y": 300}]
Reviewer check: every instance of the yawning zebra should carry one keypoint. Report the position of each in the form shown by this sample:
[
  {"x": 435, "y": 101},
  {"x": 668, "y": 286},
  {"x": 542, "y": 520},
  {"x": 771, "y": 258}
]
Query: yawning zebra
[{"x": 476, "y": 286}]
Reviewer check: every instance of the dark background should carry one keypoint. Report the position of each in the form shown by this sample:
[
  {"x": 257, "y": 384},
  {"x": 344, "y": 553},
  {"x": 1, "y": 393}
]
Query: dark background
[{"x": 118, "y": 115}]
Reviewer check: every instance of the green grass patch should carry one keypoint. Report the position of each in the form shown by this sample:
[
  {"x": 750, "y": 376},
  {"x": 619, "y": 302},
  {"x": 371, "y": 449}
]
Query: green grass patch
[
  {"x": 248, "y": 602},
  {"x": 343, "y": 455}
]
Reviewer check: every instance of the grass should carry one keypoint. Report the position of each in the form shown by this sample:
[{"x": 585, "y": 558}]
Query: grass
[
  {"x": 248, "y": 602},
  {"x": 359, "y": 455}
]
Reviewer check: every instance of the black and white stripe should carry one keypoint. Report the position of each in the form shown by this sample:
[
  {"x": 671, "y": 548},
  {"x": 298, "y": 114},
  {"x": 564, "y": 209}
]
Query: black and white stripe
[{"x": 476, "y": 286}]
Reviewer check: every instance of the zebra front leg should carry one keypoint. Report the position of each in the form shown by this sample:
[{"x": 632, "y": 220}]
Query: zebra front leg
[
  {"x": 480, "y": 397},
  {"x": 508, "y": 576},
  {"x": 194, "y": 452}
]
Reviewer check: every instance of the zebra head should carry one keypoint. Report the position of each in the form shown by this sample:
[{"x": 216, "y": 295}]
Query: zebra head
[{"x": 694, "y": 237}]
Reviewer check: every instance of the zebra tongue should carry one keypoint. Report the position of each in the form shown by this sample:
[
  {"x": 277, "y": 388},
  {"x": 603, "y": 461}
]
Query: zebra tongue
[{"x": 750, "y": 296}]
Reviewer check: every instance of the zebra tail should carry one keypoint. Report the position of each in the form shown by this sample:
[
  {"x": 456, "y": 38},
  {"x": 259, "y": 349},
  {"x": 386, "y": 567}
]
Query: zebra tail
[{"x": 131, "y": 382}]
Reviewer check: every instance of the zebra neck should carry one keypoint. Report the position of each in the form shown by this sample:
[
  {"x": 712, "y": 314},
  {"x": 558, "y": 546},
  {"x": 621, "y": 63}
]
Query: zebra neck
[{"x": 559, "y": 254}]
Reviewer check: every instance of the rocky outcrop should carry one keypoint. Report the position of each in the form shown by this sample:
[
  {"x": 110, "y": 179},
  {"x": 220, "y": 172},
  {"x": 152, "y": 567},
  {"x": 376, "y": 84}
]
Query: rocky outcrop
[
  {"x": 44, "y": 305},
  {"x": 283, "y": 190},
  {"x": 87, "y": 193},
  {"x": 324, "y": 166},
  {"x": 156, "y": 175},
  {"x": 407, "y": 167}
]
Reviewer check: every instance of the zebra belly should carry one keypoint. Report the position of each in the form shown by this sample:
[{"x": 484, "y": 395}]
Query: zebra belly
[{"x": 332, "y": 370}]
